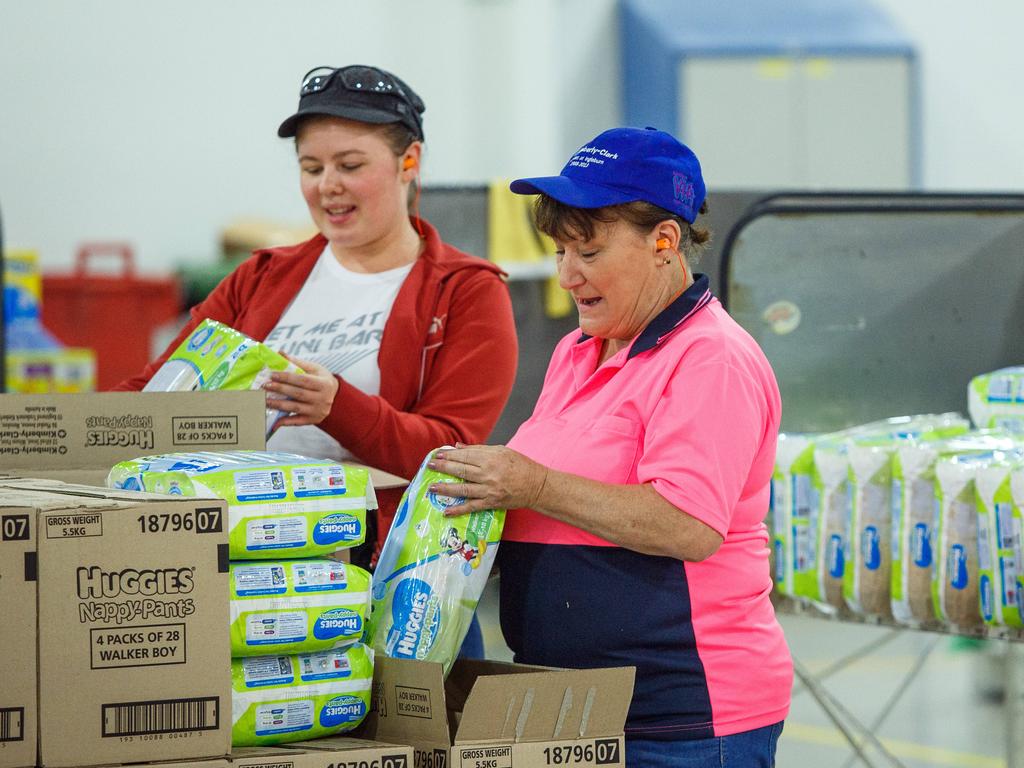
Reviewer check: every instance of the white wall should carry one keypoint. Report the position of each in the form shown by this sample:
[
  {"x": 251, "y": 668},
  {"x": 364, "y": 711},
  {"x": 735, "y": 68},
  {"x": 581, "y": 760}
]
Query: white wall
[
  {"x": 972, "y": 61},
  {"x": 154, "y": 122}
]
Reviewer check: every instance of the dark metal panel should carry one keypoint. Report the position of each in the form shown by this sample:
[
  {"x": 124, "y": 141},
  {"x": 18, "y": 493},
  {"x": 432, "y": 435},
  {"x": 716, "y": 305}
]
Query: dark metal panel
[{"x": 901, "y": 300}]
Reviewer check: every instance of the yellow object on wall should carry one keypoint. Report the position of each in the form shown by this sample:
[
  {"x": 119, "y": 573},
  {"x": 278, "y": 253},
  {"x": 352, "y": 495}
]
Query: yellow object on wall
[{"x": 512, "y": 237}]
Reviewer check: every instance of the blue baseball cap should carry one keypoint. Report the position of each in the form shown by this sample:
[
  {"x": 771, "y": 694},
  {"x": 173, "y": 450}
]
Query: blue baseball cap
[{"x": 624, "y": 165}]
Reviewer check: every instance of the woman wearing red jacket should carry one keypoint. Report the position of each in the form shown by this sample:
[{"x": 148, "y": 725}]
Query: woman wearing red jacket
[{"x": 407, "y": 343}]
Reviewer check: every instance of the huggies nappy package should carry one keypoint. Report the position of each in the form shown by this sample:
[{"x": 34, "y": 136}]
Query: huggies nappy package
[
  {"x": 913, "y": 529},
  {"x": 295, "y": 606},
  {"x": 915, "y": 517},
  {"x": 955, "y": 586},
  {"x": 430, "y": 574},
  {"x": 996, "y": 400},
  {"x": 999, "y": 544},
  {"x": 278, "y": 699},
  {"x": 791, "y": 506},
  {"x": 216, "y": 356},
  {"x": 1017, "y": 495},
  {"x": 279, "y": 504},
  {"x": 868, "y": 583},
  {"x": 831, "y": 489}
]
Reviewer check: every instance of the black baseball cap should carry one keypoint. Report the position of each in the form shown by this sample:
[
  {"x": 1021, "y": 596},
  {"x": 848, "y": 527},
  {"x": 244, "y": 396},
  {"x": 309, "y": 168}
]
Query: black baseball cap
[{"x": 357, "y": 92}]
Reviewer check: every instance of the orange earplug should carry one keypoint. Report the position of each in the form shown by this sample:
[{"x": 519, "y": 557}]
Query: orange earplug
[{"x": 662, "y": 242}]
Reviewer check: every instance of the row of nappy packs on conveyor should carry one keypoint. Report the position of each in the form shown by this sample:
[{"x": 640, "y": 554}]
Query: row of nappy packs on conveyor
[
  {"x": 305, "y": 626},
  {"x": 917, "y": 518}
]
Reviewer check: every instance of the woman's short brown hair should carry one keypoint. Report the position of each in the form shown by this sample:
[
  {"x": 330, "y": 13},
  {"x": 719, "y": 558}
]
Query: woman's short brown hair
[{"x": 564, "y": 222}]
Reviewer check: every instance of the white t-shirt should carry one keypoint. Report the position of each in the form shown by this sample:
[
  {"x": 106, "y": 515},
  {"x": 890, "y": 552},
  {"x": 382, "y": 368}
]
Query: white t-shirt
[{"x": 337, "y": 320}]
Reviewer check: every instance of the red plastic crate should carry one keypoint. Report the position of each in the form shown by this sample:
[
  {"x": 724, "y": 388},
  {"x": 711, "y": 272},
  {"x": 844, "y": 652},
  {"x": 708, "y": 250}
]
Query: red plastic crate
[{"x": 114, "y": 314}]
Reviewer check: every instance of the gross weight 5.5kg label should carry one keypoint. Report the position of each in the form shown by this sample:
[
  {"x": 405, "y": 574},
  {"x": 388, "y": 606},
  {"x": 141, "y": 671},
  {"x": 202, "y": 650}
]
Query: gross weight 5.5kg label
[{"x": 485, "y": 757}]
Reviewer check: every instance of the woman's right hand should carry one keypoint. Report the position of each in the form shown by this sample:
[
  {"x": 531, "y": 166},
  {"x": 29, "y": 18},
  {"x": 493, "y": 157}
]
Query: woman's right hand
[
  {"x": 306, "y": 398},
  {"x": 494, "y": 477}
]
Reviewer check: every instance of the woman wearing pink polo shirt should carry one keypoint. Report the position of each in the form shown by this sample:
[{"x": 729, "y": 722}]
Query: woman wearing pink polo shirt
[{"x": 637, "y": 489}]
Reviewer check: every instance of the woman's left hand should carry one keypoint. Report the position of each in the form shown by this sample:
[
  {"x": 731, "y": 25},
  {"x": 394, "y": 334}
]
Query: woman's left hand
[
  {"x": 306, "y": 397},
  {"x": 493, "y": 477}
]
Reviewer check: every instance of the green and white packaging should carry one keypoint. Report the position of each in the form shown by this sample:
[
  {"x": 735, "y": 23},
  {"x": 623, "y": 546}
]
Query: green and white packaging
[
  {"x": 279, "y": 504},
  {"x": 914, "y": 518},
  {"x": 829, "y": 524},
  {"x": 278, "y": 699},
  {"x": 1017, "y": 494},
  {"x": 296, "y": 606},
  {"x": 996, "y": 400},
  {"x": 430, "y": 575},
  {"x": 216, "y": 356},
  {"x": 955, "y": 586},
  {"x": 790, "y": 511},
  {"x": 999, "y": 545},
  {"x": 867, "y": 585}
]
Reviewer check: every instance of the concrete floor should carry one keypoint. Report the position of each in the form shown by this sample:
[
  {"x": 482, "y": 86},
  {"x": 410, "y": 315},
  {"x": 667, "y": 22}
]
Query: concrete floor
[{"x": 944, "y": 717}]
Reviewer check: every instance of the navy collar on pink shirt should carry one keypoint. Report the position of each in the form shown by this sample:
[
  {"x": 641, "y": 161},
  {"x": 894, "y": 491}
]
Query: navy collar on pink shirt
[{"x": 689, "y": 302}]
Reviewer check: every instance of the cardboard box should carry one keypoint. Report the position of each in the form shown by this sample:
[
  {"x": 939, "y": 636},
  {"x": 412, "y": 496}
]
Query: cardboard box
[
  {"x": 497, "y": 715},
  {"x": 133, "y": 646},
  {"x": 76, "y": 438},
  {"x": 18, "y": 635},
  {"x": 332, "y": 752},
  {"x": 79, "y": 437}
]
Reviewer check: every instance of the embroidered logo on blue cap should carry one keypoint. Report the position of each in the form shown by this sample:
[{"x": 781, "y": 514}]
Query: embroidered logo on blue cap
[
  {"x": 624, "y": 165},
  {"x": 585, "y": 156},
  {"x": 683, "y": 190}
]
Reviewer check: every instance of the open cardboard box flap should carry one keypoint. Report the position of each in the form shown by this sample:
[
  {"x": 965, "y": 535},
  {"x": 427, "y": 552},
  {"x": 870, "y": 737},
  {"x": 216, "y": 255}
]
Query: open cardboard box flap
[
  {"x": 50, "y": 486},
  {"x": 54, "y": 496},
  {"x": 547, "y": 706},
  {"x": 488, "y": 701},
  {"x": 91, "y": 431}
]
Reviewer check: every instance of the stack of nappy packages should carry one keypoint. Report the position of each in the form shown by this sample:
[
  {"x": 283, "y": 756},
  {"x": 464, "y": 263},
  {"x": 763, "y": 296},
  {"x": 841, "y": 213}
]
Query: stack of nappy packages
[
  {"x": 874, "y": 532},
  {"x": 216, "y": 356},
  {"x": 830, "y": 511},
  {"x": 431, "y": 572},
  {"x": 964, "y": 583},
  {"x": 917, "y": 519},
  {"x": 299, "y": 669},
  {"x": 918, "y": 513}
]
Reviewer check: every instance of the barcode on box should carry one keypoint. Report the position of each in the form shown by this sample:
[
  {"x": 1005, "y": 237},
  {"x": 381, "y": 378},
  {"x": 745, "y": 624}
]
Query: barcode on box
[
  {"x": 12, "y": 724},
  {"x": 138, "y": 718}
]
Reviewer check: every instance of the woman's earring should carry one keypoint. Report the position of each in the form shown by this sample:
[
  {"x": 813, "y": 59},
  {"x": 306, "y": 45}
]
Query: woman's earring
[{"x": 666, "y": 261}]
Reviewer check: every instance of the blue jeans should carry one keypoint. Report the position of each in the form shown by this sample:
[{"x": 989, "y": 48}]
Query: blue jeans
[
  {"x": 473, "y": 645},
  {"x": 750, "y": 749}
]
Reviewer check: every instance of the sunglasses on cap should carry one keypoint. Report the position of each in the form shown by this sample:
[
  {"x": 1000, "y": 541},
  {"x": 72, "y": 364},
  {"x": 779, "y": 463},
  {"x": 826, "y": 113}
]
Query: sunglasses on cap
[{"x": 359, "y": 79}]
